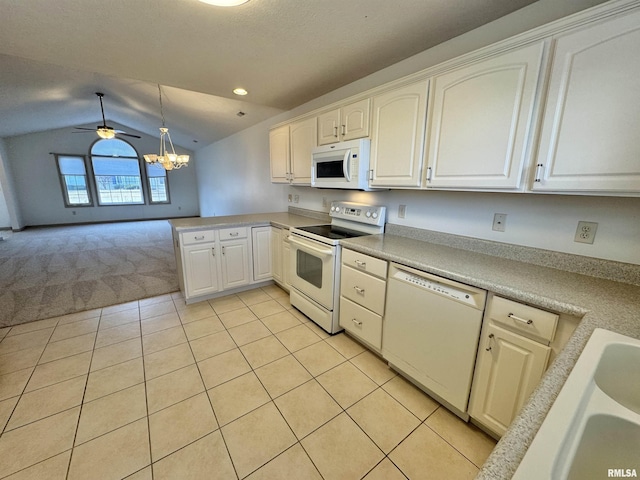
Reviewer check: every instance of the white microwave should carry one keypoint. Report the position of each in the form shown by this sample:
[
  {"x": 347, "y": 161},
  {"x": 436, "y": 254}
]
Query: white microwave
[{"x": 342, "y": 165}]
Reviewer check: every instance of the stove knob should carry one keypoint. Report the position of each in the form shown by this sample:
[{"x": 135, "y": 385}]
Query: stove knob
[
  {"x": 375, "y": 215},
  {"x": 368, "y": 214},
  {"x": 333, "y": 208}
]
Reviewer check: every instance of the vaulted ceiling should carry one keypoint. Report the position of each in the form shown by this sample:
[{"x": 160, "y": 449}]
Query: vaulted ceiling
[{"x": 55, "y": 54}]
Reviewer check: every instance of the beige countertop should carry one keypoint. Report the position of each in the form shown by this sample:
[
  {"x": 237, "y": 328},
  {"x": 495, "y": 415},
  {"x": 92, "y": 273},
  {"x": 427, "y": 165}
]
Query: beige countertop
[
  {"x": 280, "y": 219},
  {"x": 601, "y": 303}
]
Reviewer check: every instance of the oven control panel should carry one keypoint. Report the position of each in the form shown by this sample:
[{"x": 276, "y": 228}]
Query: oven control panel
[{"x": 358, "y": 212}]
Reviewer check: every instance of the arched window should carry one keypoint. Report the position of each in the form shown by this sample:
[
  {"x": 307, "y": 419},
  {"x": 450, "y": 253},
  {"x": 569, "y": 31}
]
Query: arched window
[{"x": 118, "y": 179}]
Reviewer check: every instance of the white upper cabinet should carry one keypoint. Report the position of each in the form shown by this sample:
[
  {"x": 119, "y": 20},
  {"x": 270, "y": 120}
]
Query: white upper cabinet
[
  {"x": 397, "y": 136},
  {"x": 480, "y": 118},
  {"x": 303, "y": 137},
  {"x": 346, "y": 123},
  {"x": 590, "y": 138},
  {"x": 290, "y": 151},
  {"x": 279, "y": 154}
]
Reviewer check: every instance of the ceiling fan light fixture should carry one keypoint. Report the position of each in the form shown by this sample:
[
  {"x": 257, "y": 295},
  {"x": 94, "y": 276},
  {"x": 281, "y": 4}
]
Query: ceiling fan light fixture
[
  {"x": 106, "y": 133},
  {"x": 240, "y": 91}
]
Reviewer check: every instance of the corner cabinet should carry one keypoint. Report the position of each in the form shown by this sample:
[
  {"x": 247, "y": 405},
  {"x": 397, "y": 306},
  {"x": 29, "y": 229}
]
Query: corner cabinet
[
  {"x": 480, "y": 119},
  {"x": 590, "y": 141},
  {"x": 346, "y": 123},
  {"x": 290, "y": 151},
  {"x": 397, "y": 136},
  {"x": 261, "y": 253}
]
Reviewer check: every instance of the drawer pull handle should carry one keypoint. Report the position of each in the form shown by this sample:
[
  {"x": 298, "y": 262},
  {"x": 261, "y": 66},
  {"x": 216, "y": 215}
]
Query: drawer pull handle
[
  {"x": 518, "y": 319},
  {"x": 361, "y": 264},
  {"x": 359, "y": 290},
  {"x": 357, "y": 322},
  {"x": 201, "y": 237},
  {"x": 488, "y": 349},
  {"x": 234, "y": 234}
]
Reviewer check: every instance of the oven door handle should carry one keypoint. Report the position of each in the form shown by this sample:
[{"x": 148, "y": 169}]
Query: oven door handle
[{"x": 308, "y": 246}]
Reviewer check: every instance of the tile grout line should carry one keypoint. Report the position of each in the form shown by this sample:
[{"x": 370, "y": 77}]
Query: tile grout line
[
  {"x": 75, "y": 434},
  {"x": 206, "y": 392}
]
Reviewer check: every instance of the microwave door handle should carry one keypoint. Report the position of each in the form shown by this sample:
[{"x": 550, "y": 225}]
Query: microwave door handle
[{"x": 346, "y": 165}]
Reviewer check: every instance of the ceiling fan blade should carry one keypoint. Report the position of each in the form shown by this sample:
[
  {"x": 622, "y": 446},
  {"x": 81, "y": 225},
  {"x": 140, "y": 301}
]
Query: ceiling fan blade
[
  {"x": 127, "y": 135},
  {"x": 87, "y": 129}
]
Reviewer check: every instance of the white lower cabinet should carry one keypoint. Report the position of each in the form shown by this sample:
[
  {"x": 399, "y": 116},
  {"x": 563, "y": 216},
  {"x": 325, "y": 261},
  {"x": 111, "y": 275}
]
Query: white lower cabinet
[
  {"x": 362, "y": 297},
  {"x": 214, "y": 260},
  {"x": 200, "y": 270},
  {"x": 512, "y": 357},
  {"x": 276, "y": 253},
  {"x": 234, "y": 249},
  {"x": 261, "y": 253}
]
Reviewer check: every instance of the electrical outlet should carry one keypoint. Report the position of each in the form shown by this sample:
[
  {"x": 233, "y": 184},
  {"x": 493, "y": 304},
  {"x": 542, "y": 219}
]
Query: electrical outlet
[
  {"x": 296, "y": 198},
  {"x": 499, "y": 222},
  {"x": 586, "y": 232},
  {"x": 325, "y": 203},
  {"x": 402, "y": 211}
]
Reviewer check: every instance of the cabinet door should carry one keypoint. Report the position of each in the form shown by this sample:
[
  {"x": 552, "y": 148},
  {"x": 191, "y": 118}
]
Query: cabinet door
[
  {"x": 355, "y": 120},
  {"x": 261, "y": 253},
  {"x": 590, "y": 141},
  {"x": 200, "y": 267},
  {"x": 235, "y": 264},
  {"x": 329, "y": 127},
  {"x": 286, "y": 260},
  {"x": 480, "y": 121},
  {"x": 304, "y": 136},
  {"x": 276, "y": 253},
  {"x": 508, "y": 368},
  {"x": 279, "y": 154},
  {"x": 397, "y": 136}
]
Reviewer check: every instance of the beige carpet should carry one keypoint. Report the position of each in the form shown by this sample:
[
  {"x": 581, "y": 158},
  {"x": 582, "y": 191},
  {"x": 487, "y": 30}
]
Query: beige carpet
[{"x": 51, "y": 271}]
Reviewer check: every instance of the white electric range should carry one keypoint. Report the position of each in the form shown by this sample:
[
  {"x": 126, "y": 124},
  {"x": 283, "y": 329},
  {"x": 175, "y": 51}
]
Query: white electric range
[{"x": 315, "y": 259}]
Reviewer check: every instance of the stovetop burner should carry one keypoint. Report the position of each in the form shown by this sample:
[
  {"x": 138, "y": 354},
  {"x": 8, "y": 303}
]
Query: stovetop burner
[{"x": 332, "y": 232}]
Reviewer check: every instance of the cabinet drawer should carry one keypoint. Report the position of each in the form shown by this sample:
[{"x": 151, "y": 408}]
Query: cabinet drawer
[
  {"x": 232, "y": 233},
  {"x": 363, "y": 289},
  {"x": 201, "y": 236},
  {"x": 361, "y": 322},
  {"x": 365, "y": 263},
  {"x": 529, "y": 321}
]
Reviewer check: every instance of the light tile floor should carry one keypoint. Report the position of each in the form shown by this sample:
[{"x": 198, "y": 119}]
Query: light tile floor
[{"x": 243, "y": 386}]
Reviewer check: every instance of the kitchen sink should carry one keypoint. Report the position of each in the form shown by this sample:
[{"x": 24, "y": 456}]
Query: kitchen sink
[
  {"x": 593, "y": 428},
  {"x": 617, "y": 377}
]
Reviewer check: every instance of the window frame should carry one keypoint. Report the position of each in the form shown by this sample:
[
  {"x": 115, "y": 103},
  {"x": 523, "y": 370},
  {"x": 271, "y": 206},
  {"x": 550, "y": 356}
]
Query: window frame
[
  {"x": 149, "y": 187},
  {"x": 63, "y": 183},
  {"x": 145, "y": 184}
]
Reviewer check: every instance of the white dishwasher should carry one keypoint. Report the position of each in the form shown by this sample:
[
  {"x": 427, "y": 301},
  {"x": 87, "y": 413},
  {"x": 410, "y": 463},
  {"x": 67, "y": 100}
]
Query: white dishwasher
[{"x": 431, "y": 333}]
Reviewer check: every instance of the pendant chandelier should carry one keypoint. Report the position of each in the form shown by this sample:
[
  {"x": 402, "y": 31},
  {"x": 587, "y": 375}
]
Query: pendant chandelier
[{"x": 167, "y": 159}]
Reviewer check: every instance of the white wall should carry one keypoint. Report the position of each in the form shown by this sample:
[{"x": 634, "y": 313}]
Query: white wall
[
  {"x": 39, "y": 194},
  {"x": 8, "y": 198},
  {"x": 234, "y": 175},
  {"x": 541, "y": 221},
  {"x": 229, "y": 183}
]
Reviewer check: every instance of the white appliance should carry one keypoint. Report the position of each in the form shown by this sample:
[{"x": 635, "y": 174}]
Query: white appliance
[
  {"x": 431, "y": 333},
  {"x": 342, "y": 165},
  {"x": 315, "y": 259}
]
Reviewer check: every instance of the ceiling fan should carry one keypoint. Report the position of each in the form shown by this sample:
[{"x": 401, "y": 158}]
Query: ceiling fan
[{"x": 104, "y": 131}]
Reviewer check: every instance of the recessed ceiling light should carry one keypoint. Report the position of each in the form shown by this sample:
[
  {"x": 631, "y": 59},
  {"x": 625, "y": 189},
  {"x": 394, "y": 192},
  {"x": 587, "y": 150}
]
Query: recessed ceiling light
[
  {"x": 240, "y": 91},
  {"x": 225, "y": 3}
]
